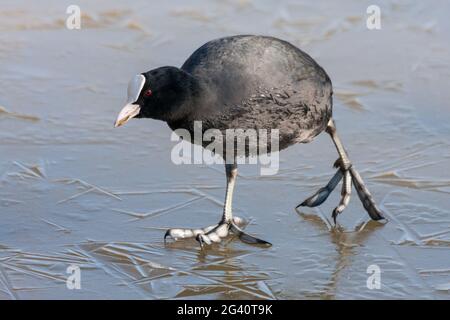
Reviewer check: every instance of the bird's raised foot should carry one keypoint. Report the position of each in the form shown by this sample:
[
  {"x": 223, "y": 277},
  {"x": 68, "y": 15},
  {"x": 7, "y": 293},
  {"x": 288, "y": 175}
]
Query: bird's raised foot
[
  {"x": 322, "y": 194},
  {"x": 366, "y": 198},
  {"x": 350, "y": 176},
  {"x": 345, "y": 194}
]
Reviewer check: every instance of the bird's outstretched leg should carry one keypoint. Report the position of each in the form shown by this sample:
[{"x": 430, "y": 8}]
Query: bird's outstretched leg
[
  {"x": 215, "y": 233},
  {"x": 348, "y": 173}
]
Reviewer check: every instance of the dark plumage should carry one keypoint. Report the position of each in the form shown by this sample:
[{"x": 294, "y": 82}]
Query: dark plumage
[{"x": 246, "y": 82}]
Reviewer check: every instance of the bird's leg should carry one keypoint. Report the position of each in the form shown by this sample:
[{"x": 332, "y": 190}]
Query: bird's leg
[
  {"x": 228, "y": 222},
  {"x": 217, "y": 230},
  {"x": 363, "y": 193},
  {"x": 349, "y": 174},
  {"x": 215, "y": 233}
]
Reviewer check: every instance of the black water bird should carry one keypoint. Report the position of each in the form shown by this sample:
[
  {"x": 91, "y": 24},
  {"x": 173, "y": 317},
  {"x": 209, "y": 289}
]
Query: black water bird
[{"x": 247, "y": 82}]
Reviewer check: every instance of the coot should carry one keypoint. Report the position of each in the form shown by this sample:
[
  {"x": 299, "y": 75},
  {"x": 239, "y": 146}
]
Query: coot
[{"x": 247, "y": 82}]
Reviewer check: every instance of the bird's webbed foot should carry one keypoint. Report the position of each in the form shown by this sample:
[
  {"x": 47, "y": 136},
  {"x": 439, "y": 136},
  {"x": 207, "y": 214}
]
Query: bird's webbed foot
[
  {"x": 215, "y": 233},
  {"x": 349, "y": 175},
  {"x": 322, "y": 194}
]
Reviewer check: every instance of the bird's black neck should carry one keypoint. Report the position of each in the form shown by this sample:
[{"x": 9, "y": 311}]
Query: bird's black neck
[{"x": 193, "y": 102}]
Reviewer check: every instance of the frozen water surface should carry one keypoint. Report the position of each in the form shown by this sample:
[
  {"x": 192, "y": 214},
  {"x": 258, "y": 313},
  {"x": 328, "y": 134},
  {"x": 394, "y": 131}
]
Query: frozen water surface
[{"x": 73, "y": 190}]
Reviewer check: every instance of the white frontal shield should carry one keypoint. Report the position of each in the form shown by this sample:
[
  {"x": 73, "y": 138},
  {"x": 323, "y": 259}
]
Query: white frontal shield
[
  {"x": 134, "y": 88},
  {"x": 131, "y": 110}
]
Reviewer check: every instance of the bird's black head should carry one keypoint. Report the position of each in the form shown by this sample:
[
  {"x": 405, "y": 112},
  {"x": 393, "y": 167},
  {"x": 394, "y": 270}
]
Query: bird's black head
[{"x": 164, "y": 93}]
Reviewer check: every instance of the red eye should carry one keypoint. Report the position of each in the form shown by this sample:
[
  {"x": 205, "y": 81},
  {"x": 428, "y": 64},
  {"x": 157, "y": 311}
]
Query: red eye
[{"x": 148, "y": 93}]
